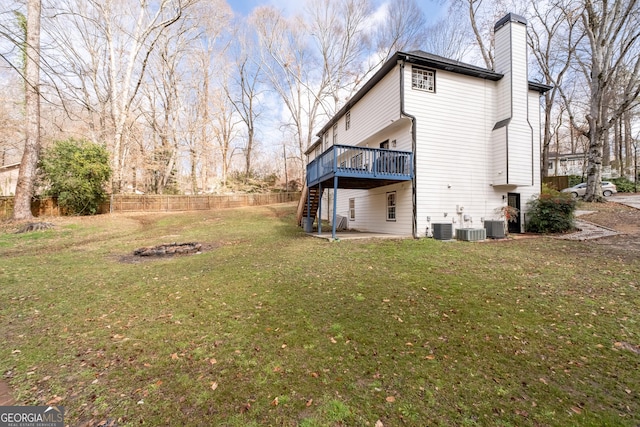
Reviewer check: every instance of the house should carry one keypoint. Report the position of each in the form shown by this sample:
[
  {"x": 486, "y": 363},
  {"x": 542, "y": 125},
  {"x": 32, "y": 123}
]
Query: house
[
  {"x": 9, "y": 178},
  {"x": 574, "y": 164},
  {"x": 566, "y": 164},
  {"x": 431, "y": 141}
]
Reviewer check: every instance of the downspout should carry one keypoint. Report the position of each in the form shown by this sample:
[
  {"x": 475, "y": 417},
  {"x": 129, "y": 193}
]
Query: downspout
[{"x": 403, "y": 113}]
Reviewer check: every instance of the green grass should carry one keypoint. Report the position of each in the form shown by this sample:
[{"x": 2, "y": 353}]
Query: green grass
[{"x": 271, "y": 327}]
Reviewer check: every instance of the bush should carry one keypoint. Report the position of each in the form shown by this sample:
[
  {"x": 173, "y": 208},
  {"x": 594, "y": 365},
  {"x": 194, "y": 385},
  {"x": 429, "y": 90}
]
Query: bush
[
  {"x": 574, "y": 180},
  {"x": 75, "y": 172},
  {"x": 624, "y": 185},
  {"x": 551, "y": 212}
]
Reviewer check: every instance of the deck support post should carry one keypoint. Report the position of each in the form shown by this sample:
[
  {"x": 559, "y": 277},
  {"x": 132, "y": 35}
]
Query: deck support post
[
  {"x": 320, "y": 209},
  {"x": 308, "y": 208},
  {"x": 335, "y": 200}
]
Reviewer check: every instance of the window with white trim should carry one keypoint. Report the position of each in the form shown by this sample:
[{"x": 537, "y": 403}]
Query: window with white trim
[
  {"x": 347, "y": 120},
  {"x": 422, "y": 79},
  {"x": 335, "y": 134},
  {"x": 391, "y": 206},
  {"x": 352, "y": 209}
]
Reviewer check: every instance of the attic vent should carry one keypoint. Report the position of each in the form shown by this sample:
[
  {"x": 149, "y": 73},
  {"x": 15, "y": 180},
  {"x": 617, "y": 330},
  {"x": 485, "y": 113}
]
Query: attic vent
[
  {"x": 443, "y": 231},
  {"x": 495, "y": 229},
  {"x": 471, "y": 234}
]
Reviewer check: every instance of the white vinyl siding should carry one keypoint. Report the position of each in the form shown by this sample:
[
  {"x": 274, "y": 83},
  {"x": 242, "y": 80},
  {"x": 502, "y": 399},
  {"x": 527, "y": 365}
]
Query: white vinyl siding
[
  {"x": 371, "y": 209},
  {"x": 374, "y": 112},
  {"x": 502, "y": 65},
  {"x": 454, "y": 150}
]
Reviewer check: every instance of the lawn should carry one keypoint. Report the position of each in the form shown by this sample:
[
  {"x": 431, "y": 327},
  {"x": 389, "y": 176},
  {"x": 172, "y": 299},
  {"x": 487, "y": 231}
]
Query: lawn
[{"x": 269, "y": 327}]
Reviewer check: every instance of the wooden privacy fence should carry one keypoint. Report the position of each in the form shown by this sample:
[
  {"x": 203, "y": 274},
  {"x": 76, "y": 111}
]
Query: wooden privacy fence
[
  {"x": 557, "y": 182},
  {"x": 146, "y": 203},
  {"x": 48, "y": 206}
]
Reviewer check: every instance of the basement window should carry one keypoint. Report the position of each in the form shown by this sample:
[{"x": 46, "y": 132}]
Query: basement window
[
  {"x": 422, "y": 79},
  {"x": 352, "y": 209},
  {"x": 391, "y": 206}
]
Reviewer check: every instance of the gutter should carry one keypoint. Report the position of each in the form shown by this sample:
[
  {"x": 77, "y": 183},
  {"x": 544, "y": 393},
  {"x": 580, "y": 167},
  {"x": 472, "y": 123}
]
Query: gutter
[{"x": 403, "y": 113}]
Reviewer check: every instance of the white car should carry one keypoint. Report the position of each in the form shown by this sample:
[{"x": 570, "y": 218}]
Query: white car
[{"x": 608, "y": 189}]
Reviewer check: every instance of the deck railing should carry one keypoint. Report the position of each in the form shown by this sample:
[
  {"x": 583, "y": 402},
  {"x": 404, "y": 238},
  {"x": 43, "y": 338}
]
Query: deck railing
[{"x": 350, "y": 161}]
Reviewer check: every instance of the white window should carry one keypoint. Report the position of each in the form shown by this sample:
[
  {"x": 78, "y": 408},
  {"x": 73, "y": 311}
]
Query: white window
[
  {"x": 391, "y": 206},
  {"x": 347, "y": 120},
  {"x": 422, "y": 79},
  {"x": 352, "y": 209},
  {"x": 335, "y": 134}
]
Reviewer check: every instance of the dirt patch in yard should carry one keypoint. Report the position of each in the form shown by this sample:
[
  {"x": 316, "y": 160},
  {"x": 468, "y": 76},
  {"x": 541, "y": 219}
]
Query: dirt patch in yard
[{"x": 619, "y": 217}]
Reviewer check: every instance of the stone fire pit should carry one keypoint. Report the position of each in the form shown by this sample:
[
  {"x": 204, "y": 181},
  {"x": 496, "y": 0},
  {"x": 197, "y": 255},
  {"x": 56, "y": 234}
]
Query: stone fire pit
[{"x": 169, "y": 249}]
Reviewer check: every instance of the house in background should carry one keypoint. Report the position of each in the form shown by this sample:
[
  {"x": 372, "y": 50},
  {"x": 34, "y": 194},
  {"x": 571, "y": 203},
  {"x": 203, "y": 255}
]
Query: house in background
[
  {"x": 9, "y": 179},
  {"x": 431, "y": 141},
  {"x": 574, "y": 164}
]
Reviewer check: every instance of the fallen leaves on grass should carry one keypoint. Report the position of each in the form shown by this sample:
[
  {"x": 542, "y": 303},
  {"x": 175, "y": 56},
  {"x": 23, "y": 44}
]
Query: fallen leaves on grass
[
  {"x": 626, "y": 346},
  {"x": 54, "y": 400}
]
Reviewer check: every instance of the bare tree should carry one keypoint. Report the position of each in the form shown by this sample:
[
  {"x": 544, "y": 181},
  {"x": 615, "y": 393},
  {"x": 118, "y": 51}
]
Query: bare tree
[
  {"x": 29, "y": 163},
  {"x": 482, "y": 16},
  {"x": 612, "y": 57},
  {"x": 289, "y": 65},
  {"x": 129, "y": 46},
  {"x": 314, "y": 62},
  {"x": 403, "y": 28},
  {"x": 245, "y": 91},
  {"x": 553, "y": 39},
  {"x": 338, "y": 30},
  {"x": 448, "y": 38},
  {"x": 225, "y": 131}
]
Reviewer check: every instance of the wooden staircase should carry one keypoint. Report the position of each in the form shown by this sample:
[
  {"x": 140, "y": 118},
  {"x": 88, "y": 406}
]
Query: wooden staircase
[{"x": 302, "y": 204}]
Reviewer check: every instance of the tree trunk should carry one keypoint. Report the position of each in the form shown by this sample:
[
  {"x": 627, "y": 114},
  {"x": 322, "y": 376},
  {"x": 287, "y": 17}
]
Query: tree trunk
[
  {"x": 29, "y": 163},
  {"x": 594, "y": 161},
  {"x": 628, "y": 144}
]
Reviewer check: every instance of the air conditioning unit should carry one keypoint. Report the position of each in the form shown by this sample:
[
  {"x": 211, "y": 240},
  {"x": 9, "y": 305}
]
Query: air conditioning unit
[
  {"x": 443, "y": 231},
  {"x": 494, "y": 229},
  {"x": 471, "y": 234}
]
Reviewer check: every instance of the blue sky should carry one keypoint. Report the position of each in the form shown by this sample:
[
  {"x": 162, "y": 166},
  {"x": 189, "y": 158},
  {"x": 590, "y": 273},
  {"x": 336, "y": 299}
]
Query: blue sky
[{"x": 433, "y": 9}]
